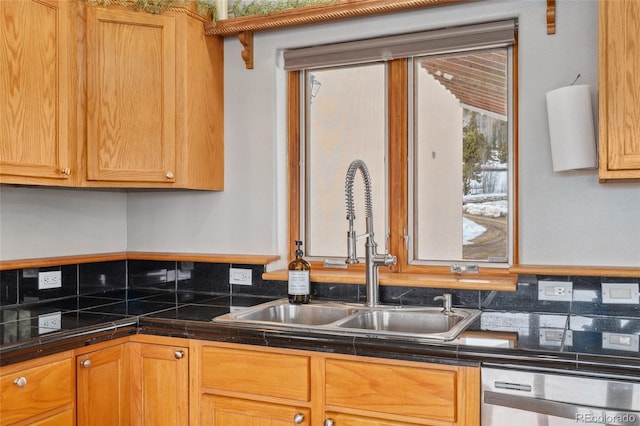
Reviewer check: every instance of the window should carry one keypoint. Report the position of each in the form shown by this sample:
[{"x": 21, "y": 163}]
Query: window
[{"x": 431, "y": 115}]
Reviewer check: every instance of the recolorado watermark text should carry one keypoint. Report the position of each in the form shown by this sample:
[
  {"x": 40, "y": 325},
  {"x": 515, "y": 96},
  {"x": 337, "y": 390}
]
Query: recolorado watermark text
[{"x": 609, "y": 419}]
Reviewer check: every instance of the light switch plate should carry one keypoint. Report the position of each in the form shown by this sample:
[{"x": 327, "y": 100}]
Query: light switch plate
[
  {"x": 555, "y": 337},
  {"x": 620, "y": 293},
  {"x": 558, "y": 291},
  {"x": 620, "y": 342}
]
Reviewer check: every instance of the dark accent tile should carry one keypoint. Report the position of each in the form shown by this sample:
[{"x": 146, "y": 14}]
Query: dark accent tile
[
  {"x": 79, "y": 302},
  {"x": 526, "y": 325},
  {"x": 152, "y": 274},
  {"x": 182, "y": 297},
  {"x": 102, "y": 277},
  {"x": 130, "y": 294},
  {"x": 204, "y": 277},
  {"x": 587, "y": 298},
  {"x": 237, "y": 301},
  {"x": 424, "y": 296},
  {"x": 28, "y": 291},
  {"x": 8, "y": 287},
  {"x": 131, "y": 308},
  {"x": 191, "y": 313},
  {"x": 525, "y": 298},
  {"x": 340, "y": 292}
]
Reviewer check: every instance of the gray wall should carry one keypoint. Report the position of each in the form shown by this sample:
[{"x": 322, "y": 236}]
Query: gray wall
[
  {"x": 565, "y": 218},
  {"x": 44, "y": 222}
]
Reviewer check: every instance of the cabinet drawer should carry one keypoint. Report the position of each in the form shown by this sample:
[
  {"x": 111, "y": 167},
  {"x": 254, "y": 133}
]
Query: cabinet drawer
[
  {"x": 45, "y": 387},
  {"x": 219, "y": 410},
  {"x": 258, "y": 373},
  {"x": 392, "y": 389}
]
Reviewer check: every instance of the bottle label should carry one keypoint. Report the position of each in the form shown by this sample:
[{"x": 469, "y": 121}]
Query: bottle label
[{"x": 298, "y": 282}]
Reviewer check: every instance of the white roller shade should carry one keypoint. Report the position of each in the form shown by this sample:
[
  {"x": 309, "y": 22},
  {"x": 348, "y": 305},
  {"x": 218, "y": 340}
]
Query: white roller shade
[{"x": 468, "y": 37}]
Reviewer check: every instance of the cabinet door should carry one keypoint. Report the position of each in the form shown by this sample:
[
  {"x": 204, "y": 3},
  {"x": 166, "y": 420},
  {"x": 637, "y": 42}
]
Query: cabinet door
[
  {"x": 159, "y": 385},
  {"x": 102, "y": 387},
  {"x": 222, "y": 411},
  {"x": 619, "y": 83},
  {"x": 131, "y": 96},
  {"x": 37, "y": 92}
]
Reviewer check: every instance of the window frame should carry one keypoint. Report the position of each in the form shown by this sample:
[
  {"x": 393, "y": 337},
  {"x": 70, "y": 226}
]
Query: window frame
[{"x": 398, "y": 172}]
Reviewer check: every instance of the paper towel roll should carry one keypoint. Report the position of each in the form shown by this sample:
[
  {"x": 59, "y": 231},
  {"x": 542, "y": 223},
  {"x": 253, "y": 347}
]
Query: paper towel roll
[
  {"x": 222, "y": 9},
  {"x": 571, "y": 128}
]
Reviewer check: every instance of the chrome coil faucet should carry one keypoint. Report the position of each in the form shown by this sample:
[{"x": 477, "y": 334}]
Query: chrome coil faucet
[{"x": 372, "y": 258}]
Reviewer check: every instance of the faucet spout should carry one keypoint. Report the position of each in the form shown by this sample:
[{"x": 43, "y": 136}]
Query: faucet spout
[{"x": 372, "y": 258}]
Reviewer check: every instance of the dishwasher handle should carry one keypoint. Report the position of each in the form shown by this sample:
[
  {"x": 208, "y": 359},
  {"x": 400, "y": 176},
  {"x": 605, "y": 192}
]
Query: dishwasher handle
[{"x": 576, "y": 412}]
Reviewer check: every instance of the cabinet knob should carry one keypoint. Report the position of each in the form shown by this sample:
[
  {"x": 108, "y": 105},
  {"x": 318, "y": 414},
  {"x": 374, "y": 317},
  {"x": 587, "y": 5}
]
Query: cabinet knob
[
  {"x": 179, "y": 354},
  {"x": 66, "y": 171},
  {"x": 328, "y": 422},
  {"x": 86, "y": 363},
  {"x": 169, "y": 175},
  {"x": 20, "y": 382},
  {"x": 298, "y": 418}
]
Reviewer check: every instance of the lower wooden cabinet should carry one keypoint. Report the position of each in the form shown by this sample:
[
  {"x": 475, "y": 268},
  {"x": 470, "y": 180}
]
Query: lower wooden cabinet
[
  {"x": 159, "y": 384},
  {"x": 102, "y": 382},
  {"x": 149, "y": 380},
  {"x": 246, "y": 385},
  {"x": 130, "y": 382},
  {"x": 38, "y": 392}
]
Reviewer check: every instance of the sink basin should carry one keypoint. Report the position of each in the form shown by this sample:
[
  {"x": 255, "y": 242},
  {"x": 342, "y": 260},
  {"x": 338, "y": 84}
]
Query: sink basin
[
  {"x": 419, "y": 322},
  {"x": 408, "y": 322},
  {"x": 285, "y": 313}
]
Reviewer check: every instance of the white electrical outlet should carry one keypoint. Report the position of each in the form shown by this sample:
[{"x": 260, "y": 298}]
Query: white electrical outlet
[
  {"x": 240, "y": 276},
  {"x": 49, "y": 322},
  {"x": 49, "y": 279},
  {"x": 557, "y": 291}
]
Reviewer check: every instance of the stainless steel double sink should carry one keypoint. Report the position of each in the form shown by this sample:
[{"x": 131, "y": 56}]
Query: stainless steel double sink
[{"x": 410, "y": 322}]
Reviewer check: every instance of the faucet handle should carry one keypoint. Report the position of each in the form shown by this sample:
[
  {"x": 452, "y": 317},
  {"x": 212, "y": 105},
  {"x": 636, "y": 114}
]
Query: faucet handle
[
  {"x": 446, "y": 298},
  {"x": 384, "y": 259}
]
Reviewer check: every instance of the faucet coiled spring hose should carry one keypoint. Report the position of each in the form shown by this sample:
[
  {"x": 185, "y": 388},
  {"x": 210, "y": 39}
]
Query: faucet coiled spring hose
[{"x": 351, "y": 174}]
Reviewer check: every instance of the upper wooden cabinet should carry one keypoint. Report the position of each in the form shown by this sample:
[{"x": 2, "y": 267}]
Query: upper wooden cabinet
[
  {"x": 154, "y": 100},
  {"x": 38, "y": 91},
  {"x": 131, "y": 96},
  {"x": 110, "y": 97},
  {"x": 619, "y": 84}
]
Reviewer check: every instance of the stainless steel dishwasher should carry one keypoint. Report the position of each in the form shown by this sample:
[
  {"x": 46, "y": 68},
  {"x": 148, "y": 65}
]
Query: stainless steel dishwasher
[{"x": 538, "y": 397}]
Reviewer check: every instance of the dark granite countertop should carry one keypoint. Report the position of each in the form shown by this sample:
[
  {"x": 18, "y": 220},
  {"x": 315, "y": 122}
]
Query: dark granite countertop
[{"x": 593, "y": 343}]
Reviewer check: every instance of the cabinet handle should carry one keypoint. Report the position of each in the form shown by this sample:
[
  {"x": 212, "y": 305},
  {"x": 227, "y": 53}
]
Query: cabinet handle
[
  {"x": 86, "y": 363},
  {"x": 179, "y": 354},
  {"x": 169, "y": 175},
  {"x": 298, "y": 418},
  {"x": 66, "y": 171},
  {"x": 20, "y": 382},
  {"x": 328, "y": 422}
]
